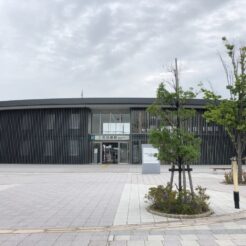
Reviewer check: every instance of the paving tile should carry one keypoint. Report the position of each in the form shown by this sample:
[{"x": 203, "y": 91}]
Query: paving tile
[
  {"x": 239, "y": 242},
  {"x": 49, "y": 207},
  {"x": 67, "y": 237},
  {"x": 189, "y": 243},
  {"x": 100, "y": 236},
  {"x": 139, "y": 237},
  {"x": 157, "y": 232},
  {"x": 83, "y": 237},
  {"x": 110, "y": 238},
  {"x": 45, "y": 243},
  {"x": 136, "y": 243},
  {"x": 155, "y": 237},
  {"x": 238, "y": 236},
  {"x": 107, "y": 198},
  {"x": 122, "y": 237},
  {"x": 10, "y": 243},
  {"x": 154, "y": 243},
  {"x": 223, "y": 236},
  {"x": 16, "y": 237},
  {"x": 27, "y": 243},
  {"x": 172, "y": 237},
  {"x": 98, "y": 243},
  {"x": 206, "y": 236},
  {"x": 118, "y": 243},
  {"x": 80, "y": 243},
  {"x": 208, "y": 242},
  {"x": 62, "y": 243},
  {"x": 188, "y": 237},
  {"x": 225, "y": 242},
  {"x": 172, "y": 243}
]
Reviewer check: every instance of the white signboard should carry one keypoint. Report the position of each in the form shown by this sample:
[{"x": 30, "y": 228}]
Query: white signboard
[
  {"x": 116, "y": 128},
  {"x": 148, "y": 154}
]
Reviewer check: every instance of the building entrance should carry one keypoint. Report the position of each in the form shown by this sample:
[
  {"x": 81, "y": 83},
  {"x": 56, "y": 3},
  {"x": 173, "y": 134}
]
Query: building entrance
[
  {"x": 110, "y": 152},
  {"x": 123, "y": 153}
]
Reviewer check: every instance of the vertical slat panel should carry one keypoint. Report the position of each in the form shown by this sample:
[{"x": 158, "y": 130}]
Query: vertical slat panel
[
  {"x": 13, "y": 135},
  {"x": 216, "y": 147}
]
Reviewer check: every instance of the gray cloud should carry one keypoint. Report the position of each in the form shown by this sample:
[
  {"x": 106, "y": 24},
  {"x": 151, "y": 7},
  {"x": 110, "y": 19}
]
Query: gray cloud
[{"x": 56, "y": 48}]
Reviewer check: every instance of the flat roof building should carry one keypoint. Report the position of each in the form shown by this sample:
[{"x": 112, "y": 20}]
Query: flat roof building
[{"x": 93, "y": 130}]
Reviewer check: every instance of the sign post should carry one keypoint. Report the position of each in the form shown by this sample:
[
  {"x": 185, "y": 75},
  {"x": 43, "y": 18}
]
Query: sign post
[{"x": 150, "y": 163}]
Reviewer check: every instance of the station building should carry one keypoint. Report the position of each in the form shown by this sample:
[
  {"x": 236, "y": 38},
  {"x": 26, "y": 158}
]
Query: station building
[{"x": 93, "y": 130}]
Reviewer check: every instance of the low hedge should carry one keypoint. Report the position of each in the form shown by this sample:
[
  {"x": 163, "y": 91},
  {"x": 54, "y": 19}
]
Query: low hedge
[
  {"x": 166, "y": 200},
  {"x": 229, "y": 178}
]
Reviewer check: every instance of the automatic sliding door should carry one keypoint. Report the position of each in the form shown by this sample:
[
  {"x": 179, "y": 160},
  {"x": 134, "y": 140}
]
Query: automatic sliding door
[
  {"x": 110, "y": 153},
  {"x": 96, "y": 154}
]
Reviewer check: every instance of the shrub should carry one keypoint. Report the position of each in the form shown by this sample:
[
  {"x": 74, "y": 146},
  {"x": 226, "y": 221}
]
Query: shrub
[
  {"x": 166, "y": 200},
  {"x": 229, "y": 178}
]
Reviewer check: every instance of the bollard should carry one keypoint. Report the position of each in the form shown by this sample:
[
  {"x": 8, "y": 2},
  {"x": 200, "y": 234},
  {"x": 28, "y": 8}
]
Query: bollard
[{"x": 235, "y": 182}]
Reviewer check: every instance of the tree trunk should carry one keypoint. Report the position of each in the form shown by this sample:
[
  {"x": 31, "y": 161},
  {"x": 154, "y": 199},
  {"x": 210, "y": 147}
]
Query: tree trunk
[
  {"x": 239, "y": 159},
  {"x": 184, "y": 178},
  {"x": 190, "y": 180},
  {"x": 240, "y": 170},
  {"x": 172, "y": 176},
  {"x": 180, "y": 176}
]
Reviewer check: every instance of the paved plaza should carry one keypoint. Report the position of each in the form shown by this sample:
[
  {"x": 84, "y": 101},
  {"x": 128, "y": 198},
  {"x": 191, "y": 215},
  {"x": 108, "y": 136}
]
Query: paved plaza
[{"x": 105, "y": 205}]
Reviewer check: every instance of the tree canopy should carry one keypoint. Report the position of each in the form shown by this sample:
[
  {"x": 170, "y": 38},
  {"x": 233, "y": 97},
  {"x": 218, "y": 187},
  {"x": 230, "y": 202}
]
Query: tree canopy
[
  {"x": 173, "y": 140},
  {"x": 231, "y": 112}
]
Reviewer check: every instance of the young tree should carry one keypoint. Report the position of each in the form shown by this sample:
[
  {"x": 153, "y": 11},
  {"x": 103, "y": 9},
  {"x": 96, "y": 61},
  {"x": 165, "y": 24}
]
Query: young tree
[
  {"x": 175, "y": 143},
  {"x": 231, "y": 113}
]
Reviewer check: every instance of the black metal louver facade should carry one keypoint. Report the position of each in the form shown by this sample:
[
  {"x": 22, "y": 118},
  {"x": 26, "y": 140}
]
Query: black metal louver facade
[
  {"x": 216, "y": 147},
  {"x": 58, "y": 131},
  {"x": 54, "y": 136}
]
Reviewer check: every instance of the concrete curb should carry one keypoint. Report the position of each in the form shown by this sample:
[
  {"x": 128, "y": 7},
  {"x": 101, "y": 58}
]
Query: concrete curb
[
  {"x": 180, "y": 216},
  {"x": 146, "y": 226}
]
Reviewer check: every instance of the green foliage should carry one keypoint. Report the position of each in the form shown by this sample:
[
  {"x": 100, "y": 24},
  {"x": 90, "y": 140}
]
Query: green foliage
[
  {"x": 176, "y": 143},
  {"x": 231, "y": 113},
  {"x": 171, "y": 137},
  {"x": 166, "y": 200},
  {"x": 224, "y": 113}
]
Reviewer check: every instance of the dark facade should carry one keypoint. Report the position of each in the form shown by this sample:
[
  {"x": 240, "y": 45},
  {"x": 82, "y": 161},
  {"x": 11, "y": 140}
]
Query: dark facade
[
  {"x": 44, "y": 136},
  {"x": 216, "y": 147},
  {"x": 93, "y": 130}
]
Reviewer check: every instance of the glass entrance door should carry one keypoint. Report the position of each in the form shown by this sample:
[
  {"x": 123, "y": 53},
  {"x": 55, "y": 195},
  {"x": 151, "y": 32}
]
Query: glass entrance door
[
  {"x": 96, "y": 153},
  {"x": 110, "y": 153},
  {"x": 123, "y": 153}
]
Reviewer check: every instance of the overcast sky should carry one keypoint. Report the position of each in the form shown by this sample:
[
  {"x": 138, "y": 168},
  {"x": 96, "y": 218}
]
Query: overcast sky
[{"x": 112, "y": 48}]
